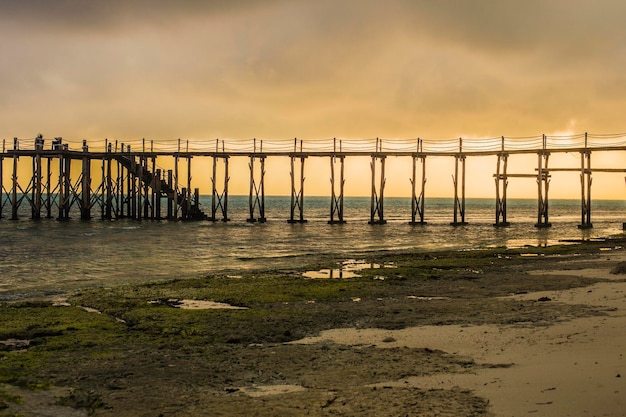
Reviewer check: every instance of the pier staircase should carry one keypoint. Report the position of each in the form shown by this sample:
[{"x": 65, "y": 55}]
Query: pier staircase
[{"x": 189, "y": 203}]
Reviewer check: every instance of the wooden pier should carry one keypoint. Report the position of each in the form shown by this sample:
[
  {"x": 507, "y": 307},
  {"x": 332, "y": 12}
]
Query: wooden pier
[{"x": 114, "y": 180}]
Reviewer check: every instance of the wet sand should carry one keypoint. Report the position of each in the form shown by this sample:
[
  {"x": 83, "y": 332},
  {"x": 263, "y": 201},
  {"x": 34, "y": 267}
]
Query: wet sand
[
  {"x": 574, "y": 368},
  {"x": 436, "y": 335}
]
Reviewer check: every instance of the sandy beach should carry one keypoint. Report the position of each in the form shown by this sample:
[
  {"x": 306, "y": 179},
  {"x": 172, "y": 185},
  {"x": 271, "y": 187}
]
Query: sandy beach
[
  {"x": 536, "y": 331},
  {"x": 575, "y": 368}
]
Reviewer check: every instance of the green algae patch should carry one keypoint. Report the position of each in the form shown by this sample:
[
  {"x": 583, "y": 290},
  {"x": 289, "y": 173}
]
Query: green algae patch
[{"x": 111, "y": 347}]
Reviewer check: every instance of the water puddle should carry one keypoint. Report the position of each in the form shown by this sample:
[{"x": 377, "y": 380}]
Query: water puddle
[
  {"x": 415, "y": 297},
  {"x": 265, "y": 390},
  {"x": 15, "y": 344},
  {"x": 348, "y": 269},
  {"x": 196, "y": 304}
]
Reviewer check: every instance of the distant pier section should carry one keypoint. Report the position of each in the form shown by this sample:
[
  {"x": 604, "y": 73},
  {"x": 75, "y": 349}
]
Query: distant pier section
[{"x": 113, "y": 180}]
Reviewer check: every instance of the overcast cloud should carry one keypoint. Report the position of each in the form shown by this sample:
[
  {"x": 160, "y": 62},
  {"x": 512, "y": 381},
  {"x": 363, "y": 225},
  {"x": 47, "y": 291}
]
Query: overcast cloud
[{"x": 280, "y": 69}]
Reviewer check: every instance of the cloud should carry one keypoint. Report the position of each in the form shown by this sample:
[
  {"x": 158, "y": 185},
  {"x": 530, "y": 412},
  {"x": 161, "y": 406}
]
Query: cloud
[{"x": 310, "y": 69}]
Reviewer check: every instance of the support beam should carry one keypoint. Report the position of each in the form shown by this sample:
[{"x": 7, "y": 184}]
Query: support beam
[
  {"x": 543, "y": 184},
  {"x": 85, "y": 192},
  {"x": 219, "y": 198},
  {"x": 502, "y": 181},
  {"x": 256, "y": 199},
  {"x": 459, "y": 203},
  {"x": 297, "y": 194},
  {"x": 1, "y": 181},
  {"x": 377, "y": 214},
  {"x": 336, "y": 197},
  {"x": 585, "y": 190},
  {"x": 36, "y": 202},
  {"x": 14, "y": 187},
  {"x": 417, "y": 200}
]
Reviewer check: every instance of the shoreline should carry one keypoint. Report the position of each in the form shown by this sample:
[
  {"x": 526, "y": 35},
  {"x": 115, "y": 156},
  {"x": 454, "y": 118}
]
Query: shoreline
[
  {"x": 481, "y": 333},
  {"x": 573, "y": 368}
]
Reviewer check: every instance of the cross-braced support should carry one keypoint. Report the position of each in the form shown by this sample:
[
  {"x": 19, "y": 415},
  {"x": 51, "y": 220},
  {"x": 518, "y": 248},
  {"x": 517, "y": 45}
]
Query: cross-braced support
[
  {"x": 85, "y": 188},
  {"x": 585, "y": 190},
  {"x": 417, "y": 201},
  {"x": 256, "y": 197},
  {"x": 219, "y": 199},
  {"x": 378, "y": 195},
  {"x": 336, "y": 197},
  {"x": 2, "y": 190},
  {"x": 459, "y": 203},
  {"x": 543, "y": 184},
  {"x": 502, "y": 182},
  {"x": 297, "y": 194},
  {"x": 65, "y": 186}
]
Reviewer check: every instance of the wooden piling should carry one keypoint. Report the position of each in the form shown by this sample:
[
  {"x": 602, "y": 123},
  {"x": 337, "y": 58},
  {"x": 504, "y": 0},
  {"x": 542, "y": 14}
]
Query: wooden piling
[
  {"x": 297, "y": 195},
  {"x": 14, "y": 186},
  {"x": 502, "y": 182},
  {"x": 336, "y": 198},
  {"x": 377, "y": 214},
  {"x": 256, "y": 197},
  {"x": 543, "y": 183},
  {"x": 459, "y": 203},
  {"x": 417, "y": 201},
  {"x": 585, "y": 188},
  {"x": 219, "y": 198}
]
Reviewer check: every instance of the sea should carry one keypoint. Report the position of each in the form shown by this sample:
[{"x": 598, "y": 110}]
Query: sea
[{"x": 49, "y": 257}]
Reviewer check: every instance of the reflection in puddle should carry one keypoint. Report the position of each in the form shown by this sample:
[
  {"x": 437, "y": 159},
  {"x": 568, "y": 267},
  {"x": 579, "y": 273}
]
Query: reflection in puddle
[
  {"x": 347, "y": 270},
  {"x": 196, "y": 304},
  {"x": 330, "y": 273}
]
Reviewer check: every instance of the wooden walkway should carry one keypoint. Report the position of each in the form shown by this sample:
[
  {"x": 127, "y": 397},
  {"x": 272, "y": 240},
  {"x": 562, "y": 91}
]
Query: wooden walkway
[{"x": 122, "y": 180}]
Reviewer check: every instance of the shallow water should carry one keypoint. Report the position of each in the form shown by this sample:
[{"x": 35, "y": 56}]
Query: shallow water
[{"x": 47, "y": 256}]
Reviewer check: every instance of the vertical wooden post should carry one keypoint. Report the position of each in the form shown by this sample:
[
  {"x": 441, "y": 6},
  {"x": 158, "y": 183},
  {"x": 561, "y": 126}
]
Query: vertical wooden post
[
  {"x": 417, "y": 202},
  {"x": 459, "y": 204},
  {"x": 176, "y": 194},
  {"x": 543, "y": 182},
  {"x": 188, "y": 196},
  {"x": 501, "y": 179},
  {"x": 585, "y": 189},
  {"x": 257, "y": 190},
  {"x": 36, "y": 191},
  {"x": 336, "y": 200},
  {"x": 377, "y": 198},
  {"x": 256, "y": 197},
  {"x": 297, "y": 196},
  {"x": 85, "y": 204},
  {"x": 219, "y": 200},
  {"x": 170, "y": 196},
  {"x": 1, "y": 181},
  {"x": 48, "y": 187},
  {"x": 14, "y": 200}
]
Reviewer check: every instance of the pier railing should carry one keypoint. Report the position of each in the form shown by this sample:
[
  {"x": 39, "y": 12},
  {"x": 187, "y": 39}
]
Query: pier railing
[
  {"x": 122, "y": 178},
  {"x": 470, "y": 145}
]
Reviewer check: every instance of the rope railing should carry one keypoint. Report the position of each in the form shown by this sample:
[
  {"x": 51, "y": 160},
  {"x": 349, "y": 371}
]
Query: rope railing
[{"x": 371, "y": 145}]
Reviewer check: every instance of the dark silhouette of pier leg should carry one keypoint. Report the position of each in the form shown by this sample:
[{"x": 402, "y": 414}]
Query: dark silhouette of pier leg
[
  {"x": 1, "y": 182},
  {"x": 417, "y": 202},
  {"x": 256, "y": 198},
  {"x": 459, "y": 204},
  {"x": 543, "y": 183},
  {"x": 336, "y": 199},
  {"x": 297, "y": 195},
  {"x": 85, "y": 200},
  {"x": 36, "y": 188},
  {"x": 585, "y": 190},
  {"x": 170, "y": 197},
  {"x": 14, "y": 185},
  {"x": 219, "y": 199},
  {"x": 378, "y": 196},
  {"x": 502, "y": 183}
]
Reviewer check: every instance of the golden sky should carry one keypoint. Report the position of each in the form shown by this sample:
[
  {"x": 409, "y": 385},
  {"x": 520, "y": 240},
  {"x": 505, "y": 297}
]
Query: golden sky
[{"x": 279, "y": 69}]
